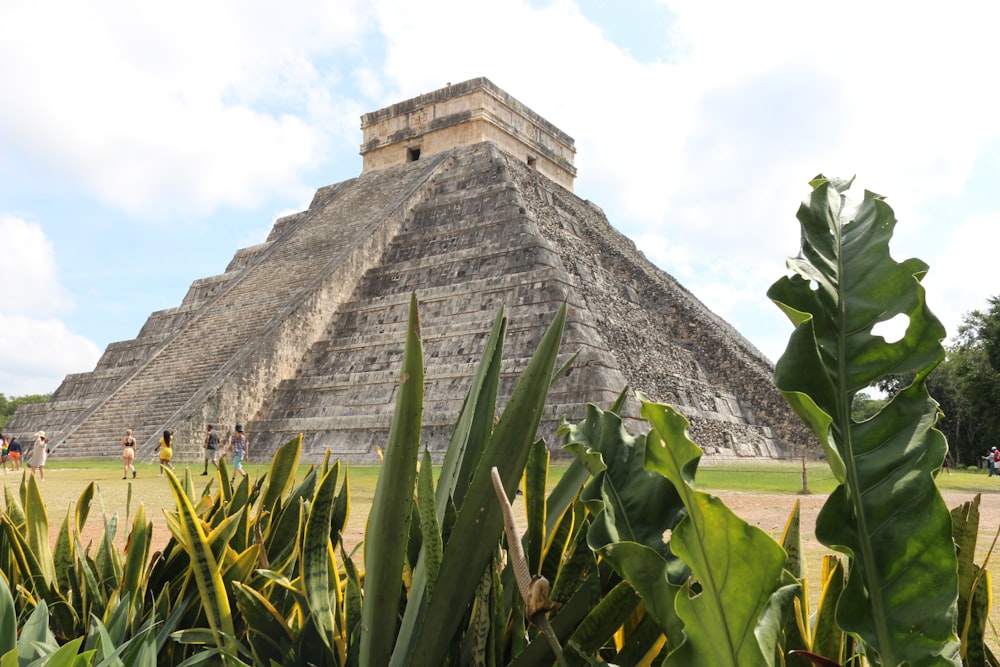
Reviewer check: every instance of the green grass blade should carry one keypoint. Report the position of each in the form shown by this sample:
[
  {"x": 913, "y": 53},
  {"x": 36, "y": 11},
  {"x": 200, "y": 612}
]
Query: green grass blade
[{"x": 389, "y": 517}]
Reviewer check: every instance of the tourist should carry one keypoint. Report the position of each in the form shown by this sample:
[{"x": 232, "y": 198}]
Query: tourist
[
  {"x": 211, "y": 449},
  {"x": 4, "y": 443},
  {"x": 39, "y": 454},
  {"x": 240, "y": 446},
  {"x": 14, "y": 452},
  {"x": 166, "y": 450},
  {"x": 991, "y": 461},
  {"x": 128, "y": 454}
]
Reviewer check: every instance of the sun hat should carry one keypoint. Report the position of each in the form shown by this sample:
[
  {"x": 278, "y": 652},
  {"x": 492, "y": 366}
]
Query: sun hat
[{"x": 41, "y": 434}]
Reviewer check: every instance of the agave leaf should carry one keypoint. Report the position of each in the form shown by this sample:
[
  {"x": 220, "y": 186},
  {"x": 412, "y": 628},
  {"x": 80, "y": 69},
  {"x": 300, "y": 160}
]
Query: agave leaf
[
  {"x": 887, "y": 502},
  {"x": 475, "y": 422},
  {"x": 468, "y": 438},
  {"x": 479, "y": 523},
  {"x": 389, "y": 517},
  {"x": 737, "y": 566}
]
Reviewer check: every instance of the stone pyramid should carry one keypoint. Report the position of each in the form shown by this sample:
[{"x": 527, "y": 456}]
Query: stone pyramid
[{"x": 465, "y": 199}]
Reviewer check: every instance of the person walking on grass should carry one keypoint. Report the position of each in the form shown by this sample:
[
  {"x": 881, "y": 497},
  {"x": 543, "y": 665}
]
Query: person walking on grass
[
  {"x": 211, "y": 449},
  {"x": 4, "y": 443},
  {"x": 166, "y": 450},
  {"x": 14, "y": 450},
  {"x": 39, "y": 454},
  {"x": 240, "y": 446},
  {"x": 128, "y": 454}
]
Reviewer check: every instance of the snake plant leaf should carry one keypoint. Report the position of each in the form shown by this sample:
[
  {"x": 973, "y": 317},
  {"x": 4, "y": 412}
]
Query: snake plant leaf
[
  {"x": 83, "y": 505},
  {"x": 203, "y": 566},
  {"x": 8, "y": 618},
  {"x": 605, "y": 619},
  {"x": 826, "y": 636},
  {"x": 37, "y": 530},
  {"x": 432, "y": 548},
  {"x": 282, "y": 473},
  {"x": 62, "y": 556},
  {"x": 887, "y": 514},
  {"x": 317, "y": 556},
  {"x": 535, "y": 480},
  {"x": 390, "y": 514},
  {"x": 136, "y": 556},
  {"x": 14, "y": 506},
  {"x": 737, "y": 566}
]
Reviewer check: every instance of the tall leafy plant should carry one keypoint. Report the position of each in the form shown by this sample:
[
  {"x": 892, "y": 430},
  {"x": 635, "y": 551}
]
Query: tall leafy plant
[{"x": 886, "y": 515}]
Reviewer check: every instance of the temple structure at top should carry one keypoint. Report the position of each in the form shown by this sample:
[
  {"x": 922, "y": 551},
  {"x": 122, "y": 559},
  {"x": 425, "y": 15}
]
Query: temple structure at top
[{"x": 462, "y": 115}]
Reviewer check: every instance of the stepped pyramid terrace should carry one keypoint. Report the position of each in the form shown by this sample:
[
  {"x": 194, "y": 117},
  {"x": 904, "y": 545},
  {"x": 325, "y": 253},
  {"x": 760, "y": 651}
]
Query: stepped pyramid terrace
[{"x": 466, "y": 199}]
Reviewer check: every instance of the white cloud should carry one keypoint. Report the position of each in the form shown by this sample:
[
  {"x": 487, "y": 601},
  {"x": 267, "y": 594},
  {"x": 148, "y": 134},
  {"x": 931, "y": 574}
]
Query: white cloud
[
  {"x": 164, "y": 108},
  {"x": 37, "y": 353},
  {"x": 36, "y": 349},
  {"x": 965, "y": 271},
  {"x": 33, "y": 284}
]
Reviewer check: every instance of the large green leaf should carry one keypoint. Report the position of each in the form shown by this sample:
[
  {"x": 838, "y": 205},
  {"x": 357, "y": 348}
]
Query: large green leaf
[
  {"x": 389, "y": 517},
  {"x": 887, "y": 514},
  {"x": 736, "y": 568},
  {"x": 633, "y": 508}
]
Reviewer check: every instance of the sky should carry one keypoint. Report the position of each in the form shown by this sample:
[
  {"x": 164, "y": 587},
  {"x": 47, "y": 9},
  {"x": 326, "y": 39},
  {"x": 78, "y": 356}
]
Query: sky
[{"x": 142, "y": 144}]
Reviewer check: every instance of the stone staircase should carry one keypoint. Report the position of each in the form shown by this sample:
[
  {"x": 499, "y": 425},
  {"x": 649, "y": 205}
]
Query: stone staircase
[
  {"x": 154, "y": 395},
  {"x": 467, "y": 250}
]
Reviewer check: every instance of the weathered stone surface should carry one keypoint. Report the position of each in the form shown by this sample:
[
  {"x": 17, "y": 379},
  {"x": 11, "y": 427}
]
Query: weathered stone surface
[{"x": 304, "y": 333}]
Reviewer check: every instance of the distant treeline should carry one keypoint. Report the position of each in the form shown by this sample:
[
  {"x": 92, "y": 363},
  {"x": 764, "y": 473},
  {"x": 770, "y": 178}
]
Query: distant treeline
[{"x": 9, "y": 405}]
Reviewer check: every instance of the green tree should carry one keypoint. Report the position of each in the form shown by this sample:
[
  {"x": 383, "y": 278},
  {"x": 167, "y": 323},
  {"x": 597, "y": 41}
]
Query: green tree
[
  {"x": 8, "y": 406},
  {"x": 967, "y": 385}
]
